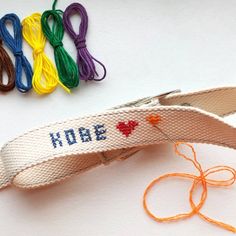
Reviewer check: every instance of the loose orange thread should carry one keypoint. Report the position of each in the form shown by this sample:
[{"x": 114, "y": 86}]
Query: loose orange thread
[{"x": 202, "y": 179}]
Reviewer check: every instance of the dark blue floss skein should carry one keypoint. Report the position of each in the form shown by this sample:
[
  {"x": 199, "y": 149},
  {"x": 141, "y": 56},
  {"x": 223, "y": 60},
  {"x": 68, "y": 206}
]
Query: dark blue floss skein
[{"x": 15, "y": 45}]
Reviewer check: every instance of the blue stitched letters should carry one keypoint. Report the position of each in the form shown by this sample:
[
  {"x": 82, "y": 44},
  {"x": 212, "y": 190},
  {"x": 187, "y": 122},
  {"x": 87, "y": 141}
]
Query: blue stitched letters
[
  {"x": 100, "y": 131},
  {"x": 78, "y": 135},
  {"x": 70, "y": 136},
  {"x": 85, "y": 135},
  {"x": 56, "y": 140}
]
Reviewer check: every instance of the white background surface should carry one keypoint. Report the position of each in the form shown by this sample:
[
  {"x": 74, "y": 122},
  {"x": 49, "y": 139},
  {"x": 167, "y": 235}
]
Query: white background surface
[{"x": 149, "y": 47}]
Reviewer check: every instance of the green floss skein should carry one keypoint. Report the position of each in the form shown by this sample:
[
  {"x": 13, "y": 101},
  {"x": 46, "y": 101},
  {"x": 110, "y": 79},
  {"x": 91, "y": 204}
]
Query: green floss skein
[{"x": 66, "y": 66}]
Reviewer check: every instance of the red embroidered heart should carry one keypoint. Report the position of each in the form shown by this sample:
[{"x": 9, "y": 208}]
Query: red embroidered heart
[{"x": 126, "y": 129}]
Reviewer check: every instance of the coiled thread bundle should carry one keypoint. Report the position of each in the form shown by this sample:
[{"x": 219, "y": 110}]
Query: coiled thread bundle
[
  {"x": 45, "y": 77},
  {"x": 85, "y": 60},
  {"x": 66, "y": 66},
  {"x": 15, "y": 45},
  {"x": 7, "y": 66}
]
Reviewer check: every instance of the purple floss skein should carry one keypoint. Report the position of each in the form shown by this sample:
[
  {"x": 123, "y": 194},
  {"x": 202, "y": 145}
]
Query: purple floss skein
[{"x": 85, "y": 60}]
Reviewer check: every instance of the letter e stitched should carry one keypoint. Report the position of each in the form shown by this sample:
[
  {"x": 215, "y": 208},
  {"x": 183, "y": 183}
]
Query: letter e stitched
[{"x": 100, "y": 131}]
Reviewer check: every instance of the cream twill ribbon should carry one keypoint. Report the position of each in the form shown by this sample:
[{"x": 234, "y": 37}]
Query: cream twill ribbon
[{"x": 55, "y": 152}]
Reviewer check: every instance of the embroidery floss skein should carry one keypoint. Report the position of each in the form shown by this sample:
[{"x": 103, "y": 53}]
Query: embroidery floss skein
[
  {"x": 85, "y": 60},
  {"x": 7, "y": 66},
  {"x": 67, "y": 68},
  {"x": 45, "y": 77},
  {"x": 15, "y": 45}
]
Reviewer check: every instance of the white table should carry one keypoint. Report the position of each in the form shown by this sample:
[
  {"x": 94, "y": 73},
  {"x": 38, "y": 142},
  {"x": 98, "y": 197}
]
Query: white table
[{"x": 149, "y": 47}]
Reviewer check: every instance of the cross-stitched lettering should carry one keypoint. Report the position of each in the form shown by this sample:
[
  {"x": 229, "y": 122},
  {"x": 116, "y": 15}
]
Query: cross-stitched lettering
[
  {"x": 100, "y": 131},
  {"x": 74, "y": 136},
  {"x": 70, "y": 136},
  {"x": 85, "y": 135},
  {"x": 56, "y": 139}
]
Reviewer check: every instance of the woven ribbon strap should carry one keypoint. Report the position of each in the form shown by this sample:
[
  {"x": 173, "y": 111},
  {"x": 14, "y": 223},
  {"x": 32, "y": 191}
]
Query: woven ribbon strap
[{"x": 53, "y": 153}]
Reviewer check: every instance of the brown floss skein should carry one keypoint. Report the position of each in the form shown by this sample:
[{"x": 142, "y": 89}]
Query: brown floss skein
[{"x": 7, "y": 66}]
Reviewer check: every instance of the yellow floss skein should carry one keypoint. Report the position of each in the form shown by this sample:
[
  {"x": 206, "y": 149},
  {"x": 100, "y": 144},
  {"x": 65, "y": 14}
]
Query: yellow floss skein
[{"x": 45, "y": 78}]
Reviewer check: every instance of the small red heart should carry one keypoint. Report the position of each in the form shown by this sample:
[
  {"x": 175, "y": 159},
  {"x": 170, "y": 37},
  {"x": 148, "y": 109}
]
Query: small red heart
[{"x": 126, "y": 129}]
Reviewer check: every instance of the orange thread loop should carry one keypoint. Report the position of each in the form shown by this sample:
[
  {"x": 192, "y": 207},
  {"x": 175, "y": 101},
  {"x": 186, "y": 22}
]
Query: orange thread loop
[{"x": 201, "y": 179}]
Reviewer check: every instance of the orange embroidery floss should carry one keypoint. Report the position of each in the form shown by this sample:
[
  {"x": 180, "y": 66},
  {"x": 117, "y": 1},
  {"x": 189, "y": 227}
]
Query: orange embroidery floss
[{"x": 201, "y": 179}]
